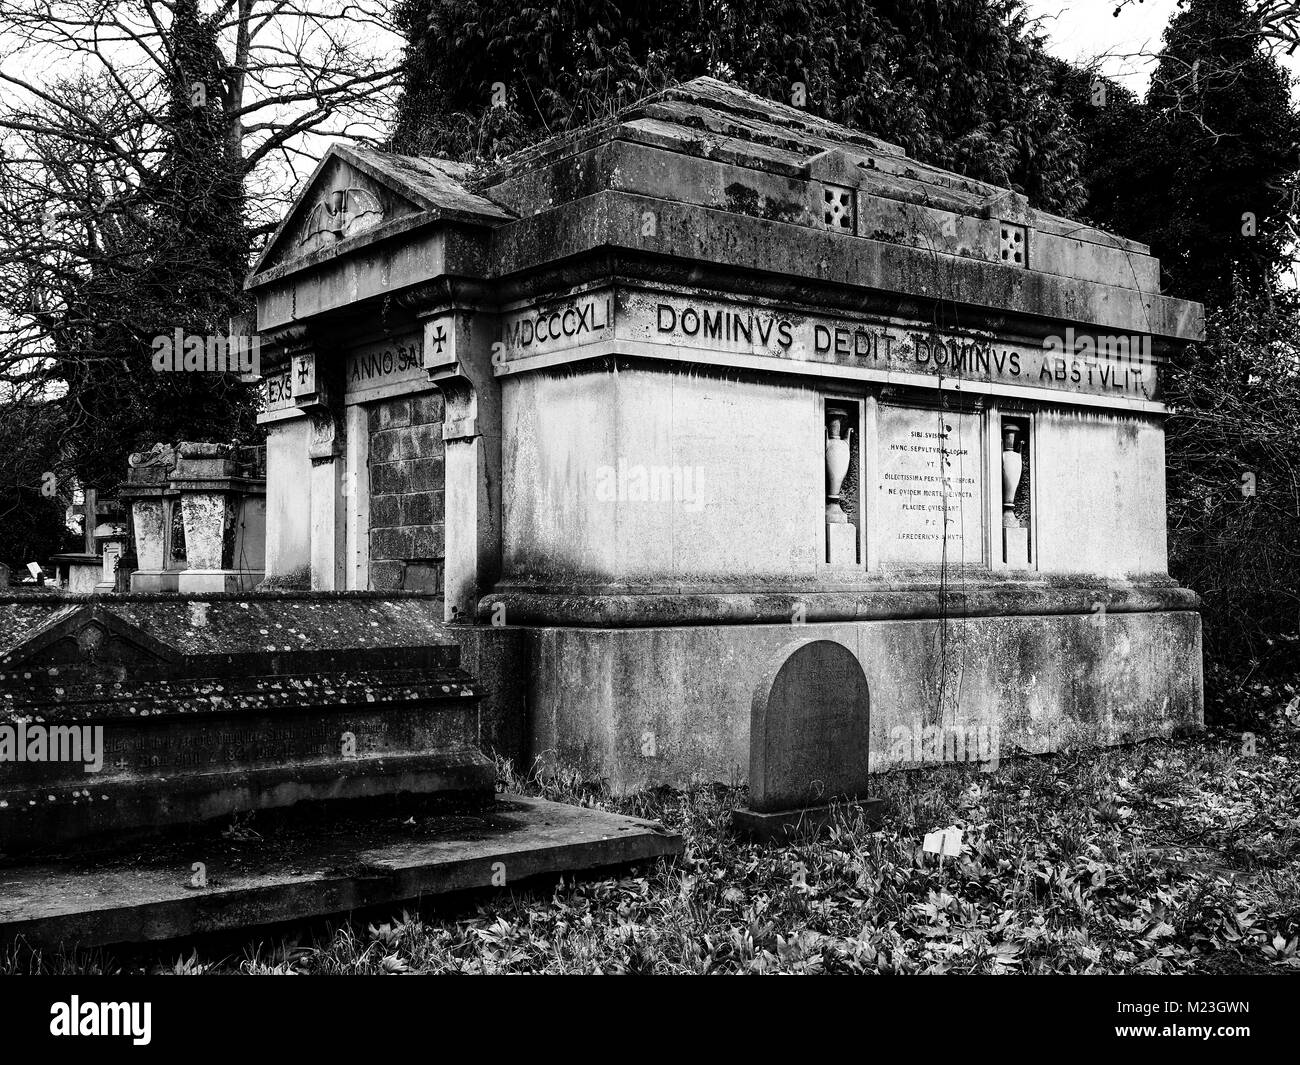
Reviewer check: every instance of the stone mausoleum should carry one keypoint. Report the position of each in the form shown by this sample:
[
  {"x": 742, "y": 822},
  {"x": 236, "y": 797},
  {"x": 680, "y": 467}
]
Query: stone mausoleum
[{"x": 664, "y": 405}]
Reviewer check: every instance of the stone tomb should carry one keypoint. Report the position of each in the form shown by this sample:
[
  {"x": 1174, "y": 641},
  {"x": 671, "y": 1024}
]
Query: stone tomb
[
  {"x": 713, "y": 376},
  {"x": 171, "y": 765},
  {"x": 198, "y": 518},
  {"x": 236, "y": 725}
]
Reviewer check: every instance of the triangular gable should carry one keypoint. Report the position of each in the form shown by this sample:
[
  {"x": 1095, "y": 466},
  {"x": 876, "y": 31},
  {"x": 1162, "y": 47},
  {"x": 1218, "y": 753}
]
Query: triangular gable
[
  {"x": 85, "y": 633},
  {"x": 361, "y": 194}
]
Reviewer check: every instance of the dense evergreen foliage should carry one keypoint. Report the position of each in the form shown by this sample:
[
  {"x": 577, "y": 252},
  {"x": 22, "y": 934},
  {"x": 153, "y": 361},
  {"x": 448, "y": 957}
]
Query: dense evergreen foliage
[{"x": 958, "y": 83}]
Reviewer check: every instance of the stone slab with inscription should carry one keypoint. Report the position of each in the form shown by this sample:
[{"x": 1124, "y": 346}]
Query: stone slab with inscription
[
  {"x": 931, "y": 505},
  {"x": 157, "y": 712},
  {"x": 668, "y": 324},
  {"x": 389, "y": 368}
]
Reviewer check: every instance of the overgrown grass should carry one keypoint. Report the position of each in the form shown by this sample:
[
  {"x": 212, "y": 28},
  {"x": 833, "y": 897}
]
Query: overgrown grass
[{"x": 1162, "y": 858}]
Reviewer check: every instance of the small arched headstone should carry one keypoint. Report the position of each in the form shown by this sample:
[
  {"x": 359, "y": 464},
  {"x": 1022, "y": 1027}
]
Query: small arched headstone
[{"x": 809, "y": 729}]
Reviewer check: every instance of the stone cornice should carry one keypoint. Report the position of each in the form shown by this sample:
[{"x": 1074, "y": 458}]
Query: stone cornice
[
  {"x": 867, "y": 600},
  {"x": 609, "y": 223}
]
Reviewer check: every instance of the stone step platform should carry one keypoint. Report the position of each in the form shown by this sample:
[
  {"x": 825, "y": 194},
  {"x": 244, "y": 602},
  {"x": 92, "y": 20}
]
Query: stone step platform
[
  {"x": 92, "y": 808},
  {"x": 308, "y": 865}
]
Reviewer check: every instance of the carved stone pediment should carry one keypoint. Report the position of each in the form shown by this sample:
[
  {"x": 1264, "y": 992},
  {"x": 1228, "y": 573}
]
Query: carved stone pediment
[
  {"x": 85, "y": 634},
  {"x": 356, "y": 191},
  {"x": 340, "y": 202}
]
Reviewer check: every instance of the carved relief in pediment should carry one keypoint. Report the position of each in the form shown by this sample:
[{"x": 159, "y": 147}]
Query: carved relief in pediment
[
  {"x": 340, "y": 203},
  {"x": 340, "y": 213}
]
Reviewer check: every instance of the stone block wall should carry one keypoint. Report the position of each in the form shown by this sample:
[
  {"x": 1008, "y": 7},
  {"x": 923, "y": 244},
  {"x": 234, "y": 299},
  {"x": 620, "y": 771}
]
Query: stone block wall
[{"x": 406, "y": 494}]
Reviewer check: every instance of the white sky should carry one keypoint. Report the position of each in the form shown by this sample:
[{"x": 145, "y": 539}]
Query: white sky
[{"x": 1080, "y": 30}]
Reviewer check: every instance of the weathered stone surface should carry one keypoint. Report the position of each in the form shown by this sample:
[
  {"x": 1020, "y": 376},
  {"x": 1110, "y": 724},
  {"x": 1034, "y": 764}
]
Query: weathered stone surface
[
  {"x": 388, "y": 544},
  {"x": 1042, "y": 683},
  {"x": 406, "y": 497},
  {"x": 242, "y": 624},
  {"x": 636, "y": 329},
  {"x": 809, "y": 729},
  {"x": 80, "y": 571},
  {"x": 426, "y": 542},
  {"x": 422, "y": 508},
  {"x": 385, "y": 511},
  {"x": 496, "y": 656},
  {"x": 147, "y": 517},
  {"x": 387, "y": 575},
  {"x": 423, "y": 576},
  {"x": 393, "y": 414},
  {"x": 427, "y": 409},
  {"x": 330, "y": 865},
  {"x": 207, "y": 518},
  {"x": 223, "y": 705},
  {"x": 734, "y": 600},
  {"x": 288, "y": 510}
]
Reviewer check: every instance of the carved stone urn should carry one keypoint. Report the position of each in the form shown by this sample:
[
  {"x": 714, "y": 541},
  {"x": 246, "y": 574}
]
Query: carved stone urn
[
  {"x": 839, "y": 441},
  {"x": 1013, "y": 465}
]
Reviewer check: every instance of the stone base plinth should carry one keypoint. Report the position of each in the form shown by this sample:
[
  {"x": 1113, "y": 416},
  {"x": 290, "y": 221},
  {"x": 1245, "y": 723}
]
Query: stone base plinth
[
  {"x": 1015, "y": 548},
  {"x": 841, "y": 544},
  {"x": 196, "y": 581},
  {"x": 641, "y": 707},
  {"x": 154, "y": 580}
]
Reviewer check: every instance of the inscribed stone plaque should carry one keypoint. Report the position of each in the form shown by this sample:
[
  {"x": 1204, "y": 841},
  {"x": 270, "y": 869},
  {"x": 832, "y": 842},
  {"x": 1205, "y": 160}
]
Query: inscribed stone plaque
[
  {"x": 276, "y": 391},
  {"x": 547, "y": 328},
  {"x": 1120, "y": 368},
  {"x": 391, "y": 367},
  {"x": 931, "y": 487},
  {"x": 809, "y": 729}
]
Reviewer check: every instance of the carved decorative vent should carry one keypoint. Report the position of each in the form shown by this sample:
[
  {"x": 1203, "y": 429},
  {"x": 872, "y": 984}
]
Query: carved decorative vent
[
  {"x": 1015, "y": 245},
  {"x": 837, "y": 211}
]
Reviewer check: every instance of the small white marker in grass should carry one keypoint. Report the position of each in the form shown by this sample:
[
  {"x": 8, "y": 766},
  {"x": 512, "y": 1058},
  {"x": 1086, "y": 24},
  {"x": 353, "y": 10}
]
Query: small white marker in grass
[{"x": 944, "y": 842}]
